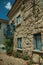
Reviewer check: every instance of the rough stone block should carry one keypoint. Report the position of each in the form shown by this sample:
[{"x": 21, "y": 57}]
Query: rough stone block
[{"x": 36, "y": 58}]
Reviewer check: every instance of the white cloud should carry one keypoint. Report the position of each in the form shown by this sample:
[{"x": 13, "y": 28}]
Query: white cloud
[{"x": 8, "y": 6}]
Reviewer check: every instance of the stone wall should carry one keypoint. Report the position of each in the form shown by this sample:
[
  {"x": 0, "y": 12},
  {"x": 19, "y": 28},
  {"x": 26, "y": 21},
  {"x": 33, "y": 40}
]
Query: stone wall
[{"x": 31, "y": 23}]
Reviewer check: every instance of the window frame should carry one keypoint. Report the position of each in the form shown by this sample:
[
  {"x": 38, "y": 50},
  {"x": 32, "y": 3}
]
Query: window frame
[
  {"x": 18, "y": 19},
  {"x": 35, "y": 41},
  {"x": 19, "y": 44}
]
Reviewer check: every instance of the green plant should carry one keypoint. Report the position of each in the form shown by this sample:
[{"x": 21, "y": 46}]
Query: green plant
[
  {"x": 9, "y": 50},
  {"x": 17, "y": 54},
  {"x": 9, "y": 46},
  {"x": 25, "y": 57},
  {"x": 7, "y": 41},
  {"x": 31, "y": 62}
]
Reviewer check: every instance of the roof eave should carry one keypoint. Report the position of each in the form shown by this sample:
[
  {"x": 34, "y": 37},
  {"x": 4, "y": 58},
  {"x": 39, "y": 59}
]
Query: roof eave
[
  {"x": 10, "y": 13},
  {"x": 4, "y": 21}
]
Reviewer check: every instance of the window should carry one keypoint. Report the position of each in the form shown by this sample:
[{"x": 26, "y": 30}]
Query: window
[
  {"x": 0, "y": 25},
  {"x": 19, "y": 40},
  {"x": 37, "y": 38},
  {"x": 18, "y": 19}
]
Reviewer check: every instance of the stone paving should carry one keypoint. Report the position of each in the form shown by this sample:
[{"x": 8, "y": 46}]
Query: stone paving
[{"x": 9, "y": 60}]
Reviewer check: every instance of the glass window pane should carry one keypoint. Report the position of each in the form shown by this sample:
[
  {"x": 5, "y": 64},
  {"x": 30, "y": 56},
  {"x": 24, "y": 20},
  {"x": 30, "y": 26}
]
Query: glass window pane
[
  {"x": 37, "y": 41},
  {"x": 18, "y": 19},
  {"x": 19, "y": 42}
]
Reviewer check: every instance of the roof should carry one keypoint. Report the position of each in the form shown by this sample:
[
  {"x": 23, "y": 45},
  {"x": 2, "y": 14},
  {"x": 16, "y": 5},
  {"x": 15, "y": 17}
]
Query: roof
[
  {"x": 14, "y": 8},
  {"x": 3, "y": 21}
]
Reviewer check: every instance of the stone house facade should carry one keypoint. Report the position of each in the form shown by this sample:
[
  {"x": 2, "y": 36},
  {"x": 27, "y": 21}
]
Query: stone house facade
[{"x": 28, "y": 35}]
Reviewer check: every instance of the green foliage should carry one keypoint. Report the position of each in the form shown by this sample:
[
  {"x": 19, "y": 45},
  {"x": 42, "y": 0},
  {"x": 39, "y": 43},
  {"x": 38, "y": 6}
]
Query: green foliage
[
  {"x": 25, "y": 57},
  {"x": 9, "y": 46},
  {"x": 7, "y": 41},
  {"x": 31, "y": 62},
  {"x": 9, "y": 50},
  {"x": 17, "y": 54}
]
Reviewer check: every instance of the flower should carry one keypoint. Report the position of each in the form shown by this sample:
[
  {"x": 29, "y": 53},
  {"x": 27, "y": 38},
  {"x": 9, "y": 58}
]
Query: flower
[{"x": 27, "y": 62}]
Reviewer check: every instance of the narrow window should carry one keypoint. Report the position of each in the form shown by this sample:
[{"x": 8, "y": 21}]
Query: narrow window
[
  {"x": 18, "y": 19},
  {"x": 37, "y": 39},
  {"x": 19, "y": 40}
]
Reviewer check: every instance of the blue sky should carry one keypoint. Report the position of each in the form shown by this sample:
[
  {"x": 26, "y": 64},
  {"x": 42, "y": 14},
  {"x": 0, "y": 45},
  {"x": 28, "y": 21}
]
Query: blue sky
[{"x": 5, "y": 6}]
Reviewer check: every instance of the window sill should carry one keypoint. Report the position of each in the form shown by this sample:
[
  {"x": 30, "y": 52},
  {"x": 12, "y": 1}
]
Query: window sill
[
  {"x": 37, "y": 51},
  {"x": 20, "y": 49}
]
